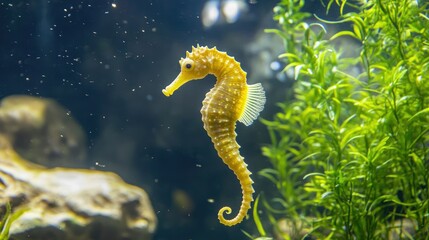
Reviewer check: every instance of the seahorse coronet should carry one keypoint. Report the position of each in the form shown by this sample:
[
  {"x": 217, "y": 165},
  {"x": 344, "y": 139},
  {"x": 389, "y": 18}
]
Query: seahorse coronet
[{"x": 229, "y": 101}]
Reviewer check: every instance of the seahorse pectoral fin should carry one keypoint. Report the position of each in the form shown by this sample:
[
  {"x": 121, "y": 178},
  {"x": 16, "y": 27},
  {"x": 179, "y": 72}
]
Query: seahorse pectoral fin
[
  {"x": 176, "y": 84},
  {"x": 254, "y": 104}
]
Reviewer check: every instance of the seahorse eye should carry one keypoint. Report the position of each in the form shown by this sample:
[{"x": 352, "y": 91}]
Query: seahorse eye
[{"x": 187, "y": 64}]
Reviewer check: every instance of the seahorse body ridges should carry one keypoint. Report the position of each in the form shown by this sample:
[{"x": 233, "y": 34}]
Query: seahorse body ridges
[{"x": 229, "y": 101}]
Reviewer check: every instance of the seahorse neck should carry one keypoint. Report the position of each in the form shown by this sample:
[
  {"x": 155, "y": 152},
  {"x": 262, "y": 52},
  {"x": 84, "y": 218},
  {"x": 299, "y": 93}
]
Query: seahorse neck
[{"x": 224, "y": 67}]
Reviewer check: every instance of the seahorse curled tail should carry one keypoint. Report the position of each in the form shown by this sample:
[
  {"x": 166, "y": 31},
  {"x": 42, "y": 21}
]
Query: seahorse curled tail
[{"x": 223, "y": 138}]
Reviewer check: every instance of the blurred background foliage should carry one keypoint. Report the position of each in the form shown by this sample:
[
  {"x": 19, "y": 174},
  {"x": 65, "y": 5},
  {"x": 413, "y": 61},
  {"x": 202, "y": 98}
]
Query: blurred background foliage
[{"x": 349, "y": 151}]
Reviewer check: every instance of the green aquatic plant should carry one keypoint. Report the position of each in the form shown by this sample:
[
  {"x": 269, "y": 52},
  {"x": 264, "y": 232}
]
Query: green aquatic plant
[
  {"x": 6, "y": 221},
  {"x": 350, "y": 150}
]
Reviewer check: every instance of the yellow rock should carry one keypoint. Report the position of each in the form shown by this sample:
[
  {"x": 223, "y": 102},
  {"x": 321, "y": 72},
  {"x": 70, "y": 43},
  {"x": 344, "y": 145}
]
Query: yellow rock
[
  {"x": 42, "y": 131},
  {"x": 71, "y": 204},
  {"x": 62, "y": 203}
]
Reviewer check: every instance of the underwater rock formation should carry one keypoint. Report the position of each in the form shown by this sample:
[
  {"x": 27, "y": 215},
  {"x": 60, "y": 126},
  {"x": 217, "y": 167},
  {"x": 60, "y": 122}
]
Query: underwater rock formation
[
  {"x": 62, "y": 203},
  {"x": 71, "y": 204},
  {"x": 42, "y": 131},
  {"x": 292, "y": 229}
]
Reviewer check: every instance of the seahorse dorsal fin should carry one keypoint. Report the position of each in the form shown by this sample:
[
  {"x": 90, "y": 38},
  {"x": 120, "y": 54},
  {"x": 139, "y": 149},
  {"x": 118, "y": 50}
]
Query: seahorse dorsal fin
[{"x": 254, "y": 104}]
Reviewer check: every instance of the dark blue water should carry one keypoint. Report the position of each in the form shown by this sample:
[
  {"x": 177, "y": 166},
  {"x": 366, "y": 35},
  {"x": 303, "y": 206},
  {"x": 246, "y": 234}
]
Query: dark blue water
[{"x": 107, "y": 64}]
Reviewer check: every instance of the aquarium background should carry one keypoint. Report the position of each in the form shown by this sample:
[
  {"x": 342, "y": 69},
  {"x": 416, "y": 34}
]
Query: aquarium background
[{"x": 107, "y": 61}]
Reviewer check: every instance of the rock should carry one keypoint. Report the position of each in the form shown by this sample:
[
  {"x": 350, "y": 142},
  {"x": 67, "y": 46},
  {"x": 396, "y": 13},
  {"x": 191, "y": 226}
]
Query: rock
[
  {"x": 292, "y": 229},
  {"x": 71, "y": 204},
  {"x": 403, "y": 229},
  {"x": 42, "y": 131}
]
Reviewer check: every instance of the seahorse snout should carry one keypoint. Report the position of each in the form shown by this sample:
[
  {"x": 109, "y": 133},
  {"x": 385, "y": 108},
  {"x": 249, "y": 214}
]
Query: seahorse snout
[
  {"x": 176, "y": 84},
  {"x": 166, "y": 92}
]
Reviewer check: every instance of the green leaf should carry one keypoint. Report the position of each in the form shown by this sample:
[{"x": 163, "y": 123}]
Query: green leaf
[
  {"x": 418, "y": 114},
  {"x": 257, "y": 220}
]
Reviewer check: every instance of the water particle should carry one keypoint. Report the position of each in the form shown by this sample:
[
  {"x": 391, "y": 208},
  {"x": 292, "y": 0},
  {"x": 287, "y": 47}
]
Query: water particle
[
  {"x": 275, "y": 66},
  {"x": 99, "y": 164}
]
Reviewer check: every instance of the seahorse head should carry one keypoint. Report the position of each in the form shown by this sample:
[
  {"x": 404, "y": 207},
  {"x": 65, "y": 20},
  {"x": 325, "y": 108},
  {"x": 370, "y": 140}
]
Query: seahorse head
[{"x": 195, "y": 66}]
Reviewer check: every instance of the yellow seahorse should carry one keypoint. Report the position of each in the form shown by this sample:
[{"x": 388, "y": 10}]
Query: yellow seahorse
[{"x": 231, "y": 99}]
